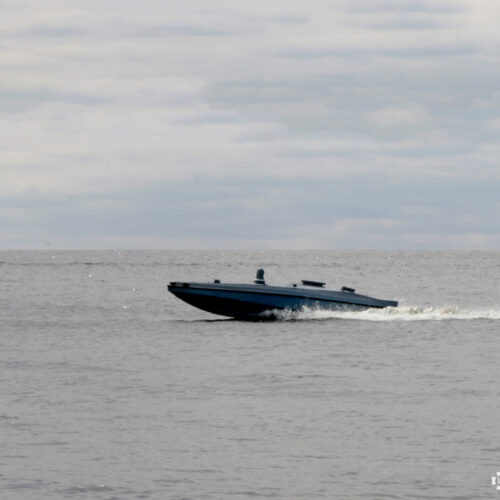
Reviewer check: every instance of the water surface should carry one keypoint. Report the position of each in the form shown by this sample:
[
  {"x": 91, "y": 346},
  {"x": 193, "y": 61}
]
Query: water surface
[{"x": 111, "y": 388}]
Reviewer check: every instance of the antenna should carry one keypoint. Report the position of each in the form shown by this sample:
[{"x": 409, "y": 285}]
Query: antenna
[{"x": 259, "y": 277}]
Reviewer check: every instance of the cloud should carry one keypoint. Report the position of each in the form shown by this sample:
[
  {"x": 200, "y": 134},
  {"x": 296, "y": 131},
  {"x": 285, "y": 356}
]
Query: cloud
[
  {"x": 285, "y": 124},
  {"x": 178, "y": 30},
  {"x": 418, "y": 6},
  {"x": 22, "y": 99},
  {"x": 407, "y": 15},
  {"x": 345, "y": 212},
  {"x": 48, "y": 24},
  {"x": 394, "y": 117},
  {"x": 352, "y": 103},
  {"x": 410, "y": 52},
  {"x": 407, "y": 24},
  {"x": 290, "y": 19}
]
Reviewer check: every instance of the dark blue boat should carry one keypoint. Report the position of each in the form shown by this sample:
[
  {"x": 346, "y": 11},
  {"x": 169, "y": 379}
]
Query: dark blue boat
[{"x": 261, "y": 301}]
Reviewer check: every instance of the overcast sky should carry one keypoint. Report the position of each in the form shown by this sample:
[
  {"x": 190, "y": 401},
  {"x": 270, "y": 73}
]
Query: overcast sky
[{"x": 250, "y": 125}]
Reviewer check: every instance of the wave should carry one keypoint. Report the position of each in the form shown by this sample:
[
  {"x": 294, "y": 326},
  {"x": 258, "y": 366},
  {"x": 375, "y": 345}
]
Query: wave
[{"x": 404, "y": 313}]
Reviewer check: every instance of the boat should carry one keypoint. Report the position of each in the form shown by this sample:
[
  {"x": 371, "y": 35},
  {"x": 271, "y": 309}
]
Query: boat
[{"x": 260, "y": 301}]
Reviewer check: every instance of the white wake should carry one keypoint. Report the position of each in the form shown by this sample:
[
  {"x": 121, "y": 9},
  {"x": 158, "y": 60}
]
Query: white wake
[{"x": 404, "y": 313}]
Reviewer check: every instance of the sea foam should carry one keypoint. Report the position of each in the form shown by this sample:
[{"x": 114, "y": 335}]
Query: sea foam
[{"x": 404, "y": 313}]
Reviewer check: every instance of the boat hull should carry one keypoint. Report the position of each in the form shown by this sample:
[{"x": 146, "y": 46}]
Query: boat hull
[{"x": 258, "y": 302}]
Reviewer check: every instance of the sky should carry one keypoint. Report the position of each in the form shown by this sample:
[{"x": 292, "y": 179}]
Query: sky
[{"x": 284, "y": 124}]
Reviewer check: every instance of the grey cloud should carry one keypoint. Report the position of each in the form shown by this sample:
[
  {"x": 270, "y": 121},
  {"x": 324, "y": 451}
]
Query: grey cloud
[
  {"x": 430, "y": 151},
  {"x": 48, "y": 31},
  {"x": 211, "y": 118},
  {"x": 214, "y": 209},
  {"x": 405, "y": 15},
  {"x": 315, "y": 153},
  {"x": 81, "y": 25},
  {"x": 283, "y": 19},
  {"x": 460, "y": 50},
  {"x": 179, "y": 30},
  {"x": 459, "y": 98},
  {"x": 376, "y": 6},
  {"x": 177, "y": 210},
  {"x": 407, "y": 24},
  {"x": 63, "y": 24},
  {"x": 339, "y": 102},
  {"x": 12, "y": 100},
  {"x": 423, "y": 116}
]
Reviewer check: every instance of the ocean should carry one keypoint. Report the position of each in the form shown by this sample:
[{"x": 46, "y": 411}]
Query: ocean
[{"x": 112, "y": 388}]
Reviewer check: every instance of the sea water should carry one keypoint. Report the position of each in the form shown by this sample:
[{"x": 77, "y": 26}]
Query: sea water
[{"x": 112, "y": 388}]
